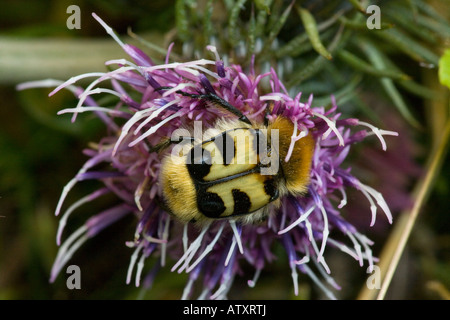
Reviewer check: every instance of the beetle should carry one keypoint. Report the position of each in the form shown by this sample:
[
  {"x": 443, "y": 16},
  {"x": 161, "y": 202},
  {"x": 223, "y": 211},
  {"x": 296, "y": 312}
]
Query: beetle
[{"x": 238, "y": 171}]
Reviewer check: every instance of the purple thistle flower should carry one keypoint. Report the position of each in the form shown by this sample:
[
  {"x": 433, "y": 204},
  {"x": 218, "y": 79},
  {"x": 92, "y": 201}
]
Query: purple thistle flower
[{"x": 149, "y": 109}]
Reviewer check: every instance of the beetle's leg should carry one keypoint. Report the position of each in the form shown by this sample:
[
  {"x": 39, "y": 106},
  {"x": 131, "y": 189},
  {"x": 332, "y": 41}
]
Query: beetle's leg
[
  {"x": 213, "y": 98},
  {"x": 267, "y": 112},
  {"x": 163, "y": 88}
]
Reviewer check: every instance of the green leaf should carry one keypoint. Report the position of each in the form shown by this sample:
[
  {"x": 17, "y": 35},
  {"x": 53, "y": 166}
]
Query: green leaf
[
  {"x": 365, "y": 67},
  {"x": 389, "y": 86},
  {"x": 275, "y": 29},
  {"x": 311, "y": 29},
  {"x": 233, "y": 22},
  {"x": 182, "y": 21},
  {"x": 299, "y": 44},
  {"x": 262, "y": 5},
  {"x": 408, "y": 45},
  {"x": 444, "y": 69},
  {"x": 208, "y": 29},
  {"x": 358, "y": 5}
]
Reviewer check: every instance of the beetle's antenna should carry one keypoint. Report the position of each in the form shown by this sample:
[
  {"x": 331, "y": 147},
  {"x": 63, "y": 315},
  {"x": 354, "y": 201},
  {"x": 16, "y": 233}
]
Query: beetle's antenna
[{"x": 215, "y": 99}]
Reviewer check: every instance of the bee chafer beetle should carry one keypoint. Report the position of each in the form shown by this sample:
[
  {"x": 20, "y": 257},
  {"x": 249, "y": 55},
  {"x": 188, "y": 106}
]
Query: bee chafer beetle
[{"x": 237, "y": 171}]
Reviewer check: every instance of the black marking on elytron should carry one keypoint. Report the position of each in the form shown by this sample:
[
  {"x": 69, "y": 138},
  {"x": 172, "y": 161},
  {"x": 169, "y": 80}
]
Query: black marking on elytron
[
  {"x": 226, "y": 131},
  {"x": 260, "y": 143},
  {"x": 242, "y": 203},
  {"x": 271, "y": 189},
  {"x": 256, "y": 138},
  {"x": 226, "y": 146},
  {"x": 198, "y": 163},
  {"x": 210, "y": 204},
  {"x": 199, "y": 160}
]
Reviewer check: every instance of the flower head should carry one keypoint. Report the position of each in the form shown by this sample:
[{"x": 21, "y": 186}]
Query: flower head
[{"x": 154, "y": 101}]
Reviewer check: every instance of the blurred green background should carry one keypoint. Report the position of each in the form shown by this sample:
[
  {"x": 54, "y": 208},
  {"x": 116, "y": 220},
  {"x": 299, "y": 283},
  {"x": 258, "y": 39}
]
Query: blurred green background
[{"x": 40, "y": 152}]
